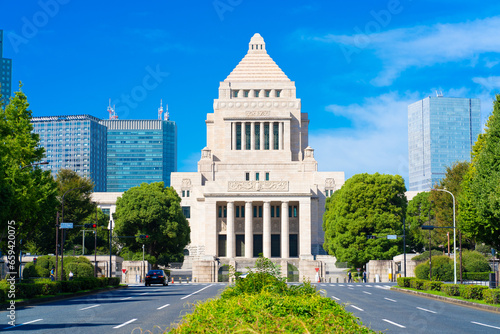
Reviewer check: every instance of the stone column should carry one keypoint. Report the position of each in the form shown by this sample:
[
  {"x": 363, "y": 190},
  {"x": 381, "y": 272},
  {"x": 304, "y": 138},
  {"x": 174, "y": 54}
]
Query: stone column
[
  {"x": 271, "y": 135},
  {"x": 285, "y": 231},
  {"x": 243, "y": 136},
  {"x": 230, "y": 231},
  {"x": 248, "y": 230},
  {"x": 261, "y": 135},
  {"x": 233, "y": 135},
  {"x": 266, "y": 237},
  {"x": 252, "y": 136},
  {"x": 280, "y": 136}
]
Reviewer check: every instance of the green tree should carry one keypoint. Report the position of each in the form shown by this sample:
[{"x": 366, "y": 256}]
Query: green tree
[
  {"x": 27, "y": 195},
  {"x": 365, "y": 205},
  {"x": 482, "y": 185},
  {"x": 152, "y": 209},
  {"x": 420, "y": 212}
]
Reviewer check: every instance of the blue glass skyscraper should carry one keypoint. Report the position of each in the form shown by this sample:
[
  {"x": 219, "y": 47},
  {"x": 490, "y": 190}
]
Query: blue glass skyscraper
[
  {"x": 441, "y": 132},
  {"x": 140, "y": 151},
  {"x": 5, "y": 74},
  {"x": 76, "y": 142}
]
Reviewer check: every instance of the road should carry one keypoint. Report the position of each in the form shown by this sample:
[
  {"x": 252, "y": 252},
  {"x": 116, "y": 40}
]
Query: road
[
  {"x": 395, "y": 312},
  {"x": 135, "y": 309},
  {"x": 138, "y": 309}
]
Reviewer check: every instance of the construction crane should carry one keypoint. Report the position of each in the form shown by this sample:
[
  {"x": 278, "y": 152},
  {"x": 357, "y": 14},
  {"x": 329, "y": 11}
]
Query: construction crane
[{"x": 111, "y": 111}]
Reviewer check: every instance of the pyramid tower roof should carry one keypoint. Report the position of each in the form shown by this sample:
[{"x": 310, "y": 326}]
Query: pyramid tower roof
[{"x": 257, "y": 65}]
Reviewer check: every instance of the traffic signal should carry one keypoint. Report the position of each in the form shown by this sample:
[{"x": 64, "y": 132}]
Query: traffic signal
[
  {"x": 144, "y": 236},
  {"x": 34, "y": 261},
  {"x": 90, "y": 225},
  {"x": 371, "y": 237}
]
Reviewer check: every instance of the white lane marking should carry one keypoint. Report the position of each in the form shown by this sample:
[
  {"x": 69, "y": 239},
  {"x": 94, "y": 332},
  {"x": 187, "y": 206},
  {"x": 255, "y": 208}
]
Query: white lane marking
[
  {"x": 357, "y": 308},
  {"x": 368, "y": 293},
  {"x": 25, "y": 323},
  {"x": 426, "y": 310},
  {"x": 393, "y": 323},
  {"x": 478, "y": 323},
  {"x": 350, "y": 288},
  {"x": 145, "y": 293},
  {"x": 341, "y": 284},
  {"x": 159, "y": 308},
  {"x": 369, "y": 286},
  {"x": 86, "y": 308},
  {"x": 196, "y": 292},
  {"x": 335, "y": 298},
  {"x": 391, "y": 300},
  {"x": 126, "y": 298},
  {"x": 323, "y": 284},
  {"x": 125, "y": 323},
  {"x": 358, "y": 285}
]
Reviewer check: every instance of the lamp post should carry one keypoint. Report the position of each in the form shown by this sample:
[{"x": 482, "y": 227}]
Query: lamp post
[
  {"x": 454, "y": 237},
  {"x": 62, "y": 230},
  {"x": 35, "y": 164}
]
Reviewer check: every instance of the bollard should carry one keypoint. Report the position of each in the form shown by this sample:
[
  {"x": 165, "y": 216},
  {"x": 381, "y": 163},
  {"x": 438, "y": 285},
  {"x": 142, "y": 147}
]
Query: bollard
[
  {"x": 172, "y": 280},
  {"x": 337, "y": 279}
]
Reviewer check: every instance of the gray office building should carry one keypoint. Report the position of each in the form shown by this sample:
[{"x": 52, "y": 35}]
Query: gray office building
[
  {"x": 6, "y": 74},
  {"x": 76, "y": 142},
  {"x": 441, "y": 132}
]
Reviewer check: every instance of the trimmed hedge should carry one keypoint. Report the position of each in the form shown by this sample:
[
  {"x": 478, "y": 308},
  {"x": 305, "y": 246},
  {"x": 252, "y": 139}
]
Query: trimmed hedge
[
  {"x": 417, "y": 284},
  {"x": 492, "y": 296},
  {"x": 473, "y": 291},
  {"x": 451, "y": 289},
  {"x": 404, "y": 282},
  {"x": 483, "y": 276},
  {"x": 433, "y": 285}
]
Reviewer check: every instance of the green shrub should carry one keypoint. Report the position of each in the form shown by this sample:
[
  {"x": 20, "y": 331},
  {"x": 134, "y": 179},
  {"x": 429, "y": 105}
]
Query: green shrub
[
  {"x": 442, "y": 269},
  {"x": 49, "y": 287},
  {"x": 425, "y": 255},
  {"x": 451, "y": 289},
  {"x": 433, "y": 285},
  {"x": 417, "y": 284},
  {"x": 70, "y": 286},
  {"x": 491, "y": 296},
  {"x": 473, "y": 261},
  {"x": 473, "y": 291},
  {"x": 268, "y": 312},
  {"x": 404, "y": 282},
  {"x": 422, "y": 271},
  {"x": 470, "y": 276}
]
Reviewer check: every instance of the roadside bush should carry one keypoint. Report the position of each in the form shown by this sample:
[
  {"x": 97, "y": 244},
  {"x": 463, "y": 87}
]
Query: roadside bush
[
  {"x": 404, "y": 282},
  {"x": 451, "y": 289},
  {"x": 417, "y": 284},
  {"x": 473, "y": 291},
  {"x": 422, "y": 271},
  {"x": 70, "y": 286},
  {"x": 473, "y": 261},
  {"x": 491, "y": 296},
  {"x": 470, "y": 276},
  {"x": 433, "y": 285},
  {"x": 442, "y": 269},
  {"x": 425, "y": 255}
]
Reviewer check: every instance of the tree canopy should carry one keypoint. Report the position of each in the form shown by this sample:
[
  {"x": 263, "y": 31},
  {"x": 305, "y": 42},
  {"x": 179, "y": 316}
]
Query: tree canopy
[
  {"x": 365, "y": 205},
  {"x": 480, "y": 201},
  {"x": 153, "y": 210}
]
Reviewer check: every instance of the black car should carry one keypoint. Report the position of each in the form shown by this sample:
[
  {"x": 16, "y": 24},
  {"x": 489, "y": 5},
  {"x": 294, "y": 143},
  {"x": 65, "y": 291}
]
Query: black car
[{"x": 156, "y": 277}]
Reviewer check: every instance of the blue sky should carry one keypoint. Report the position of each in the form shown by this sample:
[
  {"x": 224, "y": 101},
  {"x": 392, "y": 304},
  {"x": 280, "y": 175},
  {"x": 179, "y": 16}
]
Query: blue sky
[{"x": 357, "y": 65}]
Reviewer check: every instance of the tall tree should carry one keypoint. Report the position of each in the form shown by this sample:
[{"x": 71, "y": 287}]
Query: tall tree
[
  {"x": 151, "y": 209},
  {"x": 29, "y": 210},
  {"x": 365, "y": 205},
  {"x": 420, "y": 212},
  {"x": 480, "y": 211}
]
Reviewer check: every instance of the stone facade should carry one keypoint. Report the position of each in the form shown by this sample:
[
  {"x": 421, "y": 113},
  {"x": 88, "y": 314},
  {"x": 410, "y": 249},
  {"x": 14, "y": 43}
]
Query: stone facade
[{"x": 257, "y": 189}]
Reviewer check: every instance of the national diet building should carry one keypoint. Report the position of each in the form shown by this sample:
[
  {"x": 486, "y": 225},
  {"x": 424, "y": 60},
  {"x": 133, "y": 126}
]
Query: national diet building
[{"x": 257, "y": 189}]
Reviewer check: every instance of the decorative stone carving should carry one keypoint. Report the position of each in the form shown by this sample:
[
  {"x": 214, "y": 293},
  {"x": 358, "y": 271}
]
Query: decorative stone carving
[
  {"x": 294, "y": 226},
  {"x": 275, "y": 227},
  {"x": 206, "y": 153},
  {"x": 256, "y": 113},
  {"x": 263, "y": 186},
  {"x": 240, "y": 227},
  {"x": 186, "y": 183},
  {"x": 330, "y": 184},
  {"x": 222, "y": 226}
]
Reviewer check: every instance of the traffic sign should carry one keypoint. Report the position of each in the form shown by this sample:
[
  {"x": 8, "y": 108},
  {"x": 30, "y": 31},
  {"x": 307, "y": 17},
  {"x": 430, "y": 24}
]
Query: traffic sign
[
  {"x": 66, "y": 225},
  {"x": 392, "y": 237}
]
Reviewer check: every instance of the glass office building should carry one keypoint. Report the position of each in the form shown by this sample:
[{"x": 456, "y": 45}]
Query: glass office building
[
  {"x": 441, "y": 132},
  {"x": 140, "y": 151},
  {"x": 76, "y": 142},
  {"x": 5, "y": 74}
]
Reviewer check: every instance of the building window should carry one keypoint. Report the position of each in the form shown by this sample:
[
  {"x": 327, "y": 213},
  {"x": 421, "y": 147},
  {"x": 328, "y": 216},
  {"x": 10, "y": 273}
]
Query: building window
[
  {"x": 183, "y": 193},
  {"x": 276, "y": 136},
  {"x": 255, "y": 212},
  {"x": 237, "y": 212},
  {"x": 260, "y": 211},
  {"x": 272, "y": 211},
  {"x": 243, "y": 212},
  {"x": 240, "y": 245},
  {"x": 256, "y": 93},
  {"x": 256, "y": 176},
  {"x": 235, "y": 93},
  {"x": 238, "y": 136},
  {"x": 225, "y": 212},
  {"x": 266, "y": 136},
  {"x": 220, "y": 212},
  {"x": 268, "y": 93},
  {"x": 292, "y": 211},
  {"x": 186, "y": 211},
  {"x": 248, "y": 136},
  {"x": 267, "y": 176},
  {"x": 257, "y": 136},
  {"x": 278, "y": 93},
  {"x": 222, "y": 245},
  {"x": 187, "y": 193},
  {"x": 277, "y": 211},
  {"x": 247, "y": 176},
  {"x": 245, "y": 93}
]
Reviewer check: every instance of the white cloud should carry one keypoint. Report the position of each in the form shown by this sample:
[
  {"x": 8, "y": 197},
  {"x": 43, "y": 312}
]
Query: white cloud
[
  {"x": 378, "y": 141},
  {"x": 420, "y": 46},
  {"x": 490, "y": 83}
]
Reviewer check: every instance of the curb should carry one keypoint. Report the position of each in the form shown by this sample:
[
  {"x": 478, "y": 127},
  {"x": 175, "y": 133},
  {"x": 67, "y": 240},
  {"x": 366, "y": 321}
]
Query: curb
[
  {"x": 450, "y": 300},
  {"x": 37, "y": 301}
]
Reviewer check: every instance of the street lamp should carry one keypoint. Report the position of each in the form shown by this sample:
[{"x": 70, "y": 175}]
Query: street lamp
[
  {"x": 454, "y": 237},
  {"x": 35, "y": 164}
]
